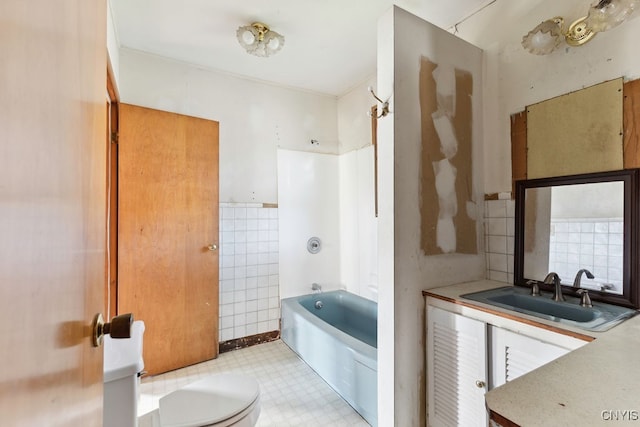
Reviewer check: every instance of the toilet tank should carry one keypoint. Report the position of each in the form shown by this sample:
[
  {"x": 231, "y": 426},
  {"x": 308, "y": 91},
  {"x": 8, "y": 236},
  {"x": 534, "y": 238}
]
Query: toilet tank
[{"x": 122, "y": 365}]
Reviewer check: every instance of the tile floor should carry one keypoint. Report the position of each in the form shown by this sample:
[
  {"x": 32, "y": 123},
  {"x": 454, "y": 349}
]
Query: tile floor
[{"x": 291, "y": 393}]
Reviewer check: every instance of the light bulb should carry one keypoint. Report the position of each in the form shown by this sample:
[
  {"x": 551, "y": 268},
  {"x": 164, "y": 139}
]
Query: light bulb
[
  {"x": 248, "y": 37},
  {"x": 607, "y": 14},
  {"x": 544, "y": 38},
  {"x": 273, "y": 43}
]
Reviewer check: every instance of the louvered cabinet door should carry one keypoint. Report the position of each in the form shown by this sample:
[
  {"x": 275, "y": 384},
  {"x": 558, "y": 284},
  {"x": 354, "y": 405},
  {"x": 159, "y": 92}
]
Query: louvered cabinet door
[
  {"x": 456, "y": 369},
  {"x": 513, "y": 355}
]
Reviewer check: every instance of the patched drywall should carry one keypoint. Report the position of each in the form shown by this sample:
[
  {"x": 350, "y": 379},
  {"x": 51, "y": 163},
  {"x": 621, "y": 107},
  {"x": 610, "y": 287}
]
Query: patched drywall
[{"x": 446, "y": 173}]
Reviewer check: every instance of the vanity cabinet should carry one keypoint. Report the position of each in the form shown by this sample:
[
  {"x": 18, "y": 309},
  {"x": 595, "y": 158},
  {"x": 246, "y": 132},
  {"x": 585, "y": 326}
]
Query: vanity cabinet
[
  {"x": 456, "y": 369},
  {"x": 470, "y": 352},
  {"x": 513, "y": 355}
]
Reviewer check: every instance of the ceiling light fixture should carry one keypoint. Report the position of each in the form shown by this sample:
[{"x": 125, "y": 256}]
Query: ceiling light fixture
[
  {"x": 257, "y": 39},
  {"x": 603, "y": 15}
]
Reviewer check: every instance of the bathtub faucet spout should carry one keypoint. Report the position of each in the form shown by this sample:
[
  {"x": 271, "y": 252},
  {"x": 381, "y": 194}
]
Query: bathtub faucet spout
[{"x": 316, "y": 288}]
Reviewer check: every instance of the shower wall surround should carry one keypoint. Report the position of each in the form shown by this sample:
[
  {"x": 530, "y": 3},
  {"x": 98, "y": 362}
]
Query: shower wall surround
[
  {"x": 309, "y": 206},
  {"x": 249, "y": 280}
]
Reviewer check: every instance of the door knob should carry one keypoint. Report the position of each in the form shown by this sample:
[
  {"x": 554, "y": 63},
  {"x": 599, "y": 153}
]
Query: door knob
[
  {"x": 119, "y": 327},
  {"x": 480, "y": 384},
  {"x": 213, "y": 247}
]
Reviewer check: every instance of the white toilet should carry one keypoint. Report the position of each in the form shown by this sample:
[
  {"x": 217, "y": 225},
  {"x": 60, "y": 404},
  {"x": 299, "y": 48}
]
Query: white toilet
[{"x": 220, "y": 400}]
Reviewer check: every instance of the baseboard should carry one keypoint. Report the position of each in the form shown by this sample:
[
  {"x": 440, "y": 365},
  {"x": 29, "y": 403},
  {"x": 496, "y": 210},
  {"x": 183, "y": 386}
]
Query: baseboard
[{"x": 238, "y": 343}]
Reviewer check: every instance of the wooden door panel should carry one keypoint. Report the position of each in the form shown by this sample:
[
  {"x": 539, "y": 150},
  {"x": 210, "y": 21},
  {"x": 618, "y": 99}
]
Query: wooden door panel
[
  {"x": 52, "y": 211},
  {"x": 111, "y": 300},
  {"x": 168, "y": 215}
]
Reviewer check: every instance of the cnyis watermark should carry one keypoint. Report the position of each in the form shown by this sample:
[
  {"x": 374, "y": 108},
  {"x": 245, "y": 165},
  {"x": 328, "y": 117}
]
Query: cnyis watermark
[{"x": 620, "y": 415}]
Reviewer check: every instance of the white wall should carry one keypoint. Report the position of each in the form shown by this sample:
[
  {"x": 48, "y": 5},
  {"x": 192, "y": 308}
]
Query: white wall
[
  {"x": 354, "y": 125},
  {"x": 308, "y": 207},
  {"x": 412, "y": 271},
  {"x": 605, "y": 200},
  {"x": 386, "y": 221},
  {"x": 255, "y": 118},
  {"x": 358, "y": 224},
  {"x": 113, "y": 46},
  {"x": 516, "y": 78}
]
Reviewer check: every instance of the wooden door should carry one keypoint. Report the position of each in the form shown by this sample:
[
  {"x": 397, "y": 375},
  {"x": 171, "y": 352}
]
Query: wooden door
[
  {"x": 111, "y": 295},
  {"x": 168, "y": 216},
  {"x": 52, "y": 210}
]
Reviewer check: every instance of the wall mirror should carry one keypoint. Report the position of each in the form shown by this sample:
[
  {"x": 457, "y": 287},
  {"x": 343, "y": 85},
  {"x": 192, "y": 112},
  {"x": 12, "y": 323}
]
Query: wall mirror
[{"x": 590, "y": 221}]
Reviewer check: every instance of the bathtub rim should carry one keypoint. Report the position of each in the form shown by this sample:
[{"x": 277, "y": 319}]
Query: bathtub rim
[{"x": 363, "y": 352}]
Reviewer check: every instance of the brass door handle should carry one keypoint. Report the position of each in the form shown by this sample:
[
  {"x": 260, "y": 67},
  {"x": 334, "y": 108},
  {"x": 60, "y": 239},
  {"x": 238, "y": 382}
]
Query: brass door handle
[
  {"x": 213, "y": 247},
  {"x": 119, "y": 327}
]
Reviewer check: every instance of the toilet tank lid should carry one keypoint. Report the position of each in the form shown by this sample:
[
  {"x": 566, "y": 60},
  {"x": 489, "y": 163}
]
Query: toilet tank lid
[
  {"x": 123, "y": 357},
  {"x": 208, "y": 401}
]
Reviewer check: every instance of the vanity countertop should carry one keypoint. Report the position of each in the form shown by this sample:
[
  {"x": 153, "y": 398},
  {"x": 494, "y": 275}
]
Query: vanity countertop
[{"x": 596, "y": 383}]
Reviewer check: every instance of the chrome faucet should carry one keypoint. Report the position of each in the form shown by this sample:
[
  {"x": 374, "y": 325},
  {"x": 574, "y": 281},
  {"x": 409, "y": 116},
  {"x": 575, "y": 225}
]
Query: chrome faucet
[
  {"x": 316, "y": 288},
  {"x": 554, "y": 279},
  {"x": 576, "y": 281},
  {"x": 585, "y": 300}
]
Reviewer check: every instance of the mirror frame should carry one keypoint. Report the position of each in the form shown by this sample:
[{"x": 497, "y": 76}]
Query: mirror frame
[{"x": 630, "y": 296}]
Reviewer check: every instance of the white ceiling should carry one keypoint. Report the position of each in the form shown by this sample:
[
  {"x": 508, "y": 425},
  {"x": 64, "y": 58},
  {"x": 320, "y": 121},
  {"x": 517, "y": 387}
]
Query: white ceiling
[{"x": 330, "y": 45}]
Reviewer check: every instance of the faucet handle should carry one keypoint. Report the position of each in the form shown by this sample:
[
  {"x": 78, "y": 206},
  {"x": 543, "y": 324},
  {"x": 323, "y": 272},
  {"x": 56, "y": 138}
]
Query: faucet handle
[
  {"x": 535, "y": 288},
  {"x": 585, "y": 299}
]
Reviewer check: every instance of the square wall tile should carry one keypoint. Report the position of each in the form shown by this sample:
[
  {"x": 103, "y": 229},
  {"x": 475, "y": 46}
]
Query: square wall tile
[
  {"x": 511, "y": 208},
  {"x": 496, "y": 208},
  {"x": 226, "y": 213},
  {"x": 498, "y": 276},
  {"x": 497, "y": 244},
  {"x": 496, "y": 226},
  {"x": 251, "y": 329},
  {"x": 498, "y": 262},
  {"x": 249, "y": 281}
]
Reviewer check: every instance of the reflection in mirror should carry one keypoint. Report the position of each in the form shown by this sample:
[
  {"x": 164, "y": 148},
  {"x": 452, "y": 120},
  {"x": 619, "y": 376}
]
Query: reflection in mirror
[
  {"x": 567, "y": 224},
  {"x": 571, "y": 227}
]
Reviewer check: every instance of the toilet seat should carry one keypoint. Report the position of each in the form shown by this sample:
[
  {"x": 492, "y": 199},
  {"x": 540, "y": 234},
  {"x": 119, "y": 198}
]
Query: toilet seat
[{"x": 220, "y": 400}]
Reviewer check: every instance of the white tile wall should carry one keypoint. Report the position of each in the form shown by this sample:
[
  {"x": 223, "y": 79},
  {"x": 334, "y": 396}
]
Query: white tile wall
[
  {"x": 596, "y": 244},
  {"x": 574, "y": 244},
  {"x": 249, "y": 281},
  {"x": 499, "y": 243}
]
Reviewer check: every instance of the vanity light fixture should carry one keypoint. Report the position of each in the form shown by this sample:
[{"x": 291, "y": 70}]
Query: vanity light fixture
[
  {"x": 259, "y": 40},
  {"x": 603, "y": 15}
]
